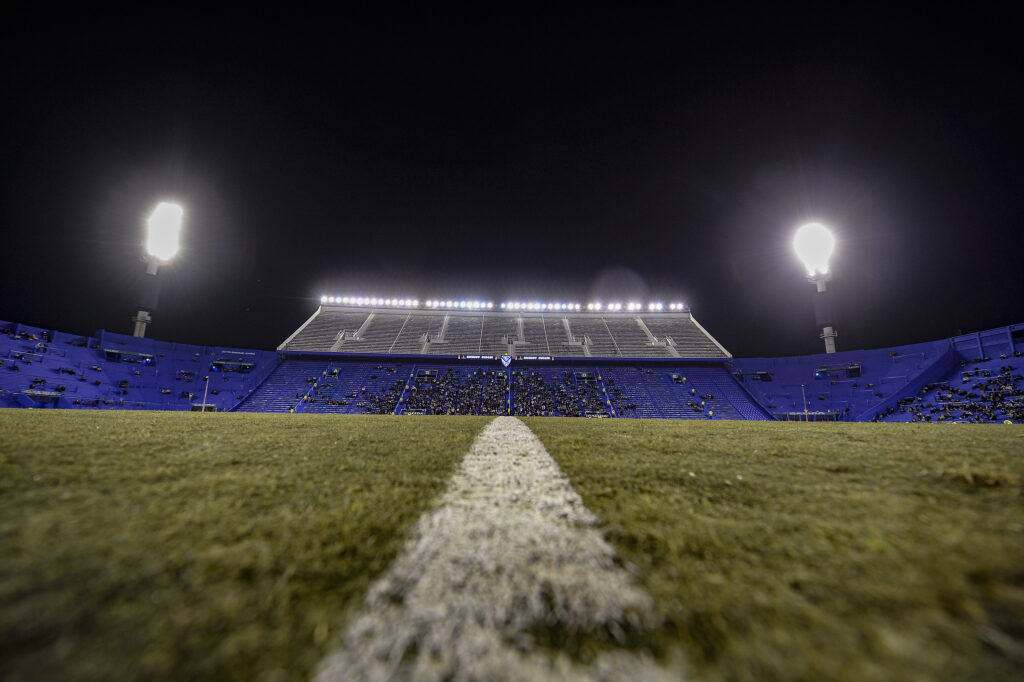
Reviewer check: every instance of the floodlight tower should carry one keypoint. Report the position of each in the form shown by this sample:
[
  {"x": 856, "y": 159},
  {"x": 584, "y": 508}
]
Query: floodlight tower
[
  {"x": 163, "y": 229},
  {"x": 814, "y": 245}
]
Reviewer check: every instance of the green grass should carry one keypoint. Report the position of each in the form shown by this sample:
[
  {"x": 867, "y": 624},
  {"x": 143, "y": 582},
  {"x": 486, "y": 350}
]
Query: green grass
[
  {"x": 196, "y": 546},
  {"x": 815, "y": 551},
  {"x": 140, "y": 546}
]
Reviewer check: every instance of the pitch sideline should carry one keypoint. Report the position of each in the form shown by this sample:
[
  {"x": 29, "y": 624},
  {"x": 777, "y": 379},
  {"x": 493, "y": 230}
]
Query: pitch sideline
[{"x": 510, "y": 548}]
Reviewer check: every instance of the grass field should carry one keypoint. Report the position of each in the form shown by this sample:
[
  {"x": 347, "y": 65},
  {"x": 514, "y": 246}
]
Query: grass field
[
  {"x": 230, "y": 546},
  {"x": 147, "y": 545},
  {"x": 816, "y": 551}
]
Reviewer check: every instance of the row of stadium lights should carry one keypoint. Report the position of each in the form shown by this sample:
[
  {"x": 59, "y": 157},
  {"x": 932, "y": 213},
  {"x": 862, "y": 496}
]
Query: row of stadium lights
[
  {"x": 486, "y": 305},
  {"x": 631, "y": 307},
  {"x": 362, "y": 300},
  {"x": 519, "y": 305}
]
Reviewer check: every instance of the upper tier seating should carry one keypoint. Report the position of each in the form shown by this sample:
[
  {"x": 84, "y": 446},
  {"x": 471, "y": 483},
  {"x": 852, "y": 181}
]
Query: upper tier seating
[
  {"x": 687, "y": 339},
  {"x": 464, "y": 332},
  {"x": 540, "y": 336},
  {"x": 378, "y": 335},
  {"x": 462, "y": 335},
  {"x": 632, "y": 341},
  {"x": 323, "y": 330},
  {"x": 498, "y": 332},
  {"x": 416, "y": 332}
]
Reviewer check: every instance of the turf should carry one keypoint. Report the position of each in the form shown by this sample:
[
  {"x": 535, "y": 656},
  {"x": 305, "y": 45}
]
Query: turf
[
  {"x": 195, "y": 546},
  {"x": 815, "y": 551},
  {"x": 198, "y": 546}
]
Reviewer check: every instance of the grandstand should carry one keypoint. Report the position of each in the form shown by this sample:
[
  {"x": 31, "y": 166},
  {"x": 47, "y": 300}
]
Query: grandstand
[
  {"x": 385, "y": 331},
  {"x": 44, "y": 368},
  {"x": 974, "y": 377},
  {"x": 648, "y": 364},
  {"x": 568, "y": 362}
]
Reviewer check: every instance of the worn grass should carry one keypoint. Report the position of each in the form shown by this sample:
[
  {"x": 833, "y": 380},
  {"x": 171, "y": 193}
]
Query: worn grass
[
  {"x": 815, "y": 551},
  {"x": 138, "y": 546}
]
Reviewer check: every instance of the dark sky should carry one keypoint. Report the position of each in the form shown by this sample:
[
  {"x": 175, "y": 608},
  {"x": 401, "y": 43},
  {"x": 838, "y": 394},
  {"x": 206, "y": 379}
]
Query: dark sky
[{"x": 516, "y": 156}]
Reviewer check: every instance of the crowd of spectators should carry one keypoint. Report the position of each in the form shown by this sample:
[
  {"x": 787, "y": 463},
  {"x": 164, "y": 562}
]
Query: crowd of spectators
[
  {"x": 569, "y": 394},
  {"x": 381, "y": 403},
  {"x": 579, "y": 398},
  {"x": 534, "y": 397},
  {"x": 451, "y": 392},
  {"x": 23, "y": 335},
  {"x": 493, "y": 392},
  {"x": 983, "y": 396},
  {"x": 483, "y": 391},
  {"x": 367, "y": 399}
]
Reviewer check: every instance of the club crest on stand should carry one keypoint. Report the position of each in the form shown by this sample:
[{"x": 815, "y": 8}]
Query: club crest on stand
[{"x": 506, "y": 359}]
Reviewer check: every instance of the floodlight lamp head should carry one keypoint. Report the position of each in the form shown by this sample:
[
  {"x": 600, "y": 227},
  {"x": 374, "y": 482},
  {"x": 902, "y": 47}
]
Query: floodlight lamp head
[
  {"x": 164, "y": 230},
  {"x": 814, "y": 245}
]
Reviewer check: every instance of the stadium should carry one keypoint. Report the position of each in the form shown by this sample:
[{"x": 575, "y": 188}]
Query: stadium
[
  {"x": 610, "y": 344},
  {"x": 624, "y": 360},
  {"x": 255, "y": 545}
]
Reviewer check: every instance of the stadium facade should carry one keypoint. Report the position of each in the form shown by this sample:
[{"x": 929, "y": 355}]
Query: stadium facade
[{"x": 444, "y": 357}]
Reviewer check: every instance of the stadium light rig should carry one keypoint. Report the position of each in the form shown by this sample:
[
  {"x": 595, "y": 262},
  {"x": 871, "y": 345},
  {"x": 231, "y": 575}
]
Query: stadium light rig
[
  {"x": 814, "y": 245},
  {"x": 163, "y": 237},
  {"x": 480, "y": 305}
]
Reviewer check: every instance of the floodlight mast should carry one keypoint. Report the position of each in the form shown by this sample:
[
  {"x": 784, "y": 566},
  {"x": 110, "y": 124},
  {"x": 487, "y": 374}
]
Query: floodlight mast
[
  {"x": 814, "y": 245},
  {"x": 163, "y": 230},
  {"x": 823, "y": 312}
]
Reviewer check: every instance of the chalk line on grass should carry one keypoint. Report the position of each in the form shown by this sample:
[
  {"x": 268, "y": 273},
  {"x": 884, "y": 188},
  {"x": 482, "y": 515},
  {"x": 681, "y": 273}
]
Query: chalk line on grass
[{"x": 510, "y": 550}]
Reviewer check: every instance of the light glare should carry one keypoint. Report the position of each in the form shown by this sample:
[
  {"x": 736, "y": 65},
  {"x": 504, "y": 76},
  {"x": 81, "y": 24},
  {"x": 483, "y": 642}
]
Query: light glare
[
  {"x": 164, "y": 230},
  {"x": 814, "y": 245}
]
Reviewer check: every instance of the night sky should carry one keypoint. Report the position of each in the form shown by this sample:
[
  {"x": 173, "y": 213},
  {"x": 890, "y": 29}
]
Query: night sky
[{"x": 509, "y": 156}]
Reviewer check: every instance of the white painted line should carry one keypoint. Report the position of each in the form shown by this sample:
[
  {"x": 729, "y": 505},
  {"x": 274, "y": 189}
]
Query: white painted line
[{"x": 510, "y": 549}]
